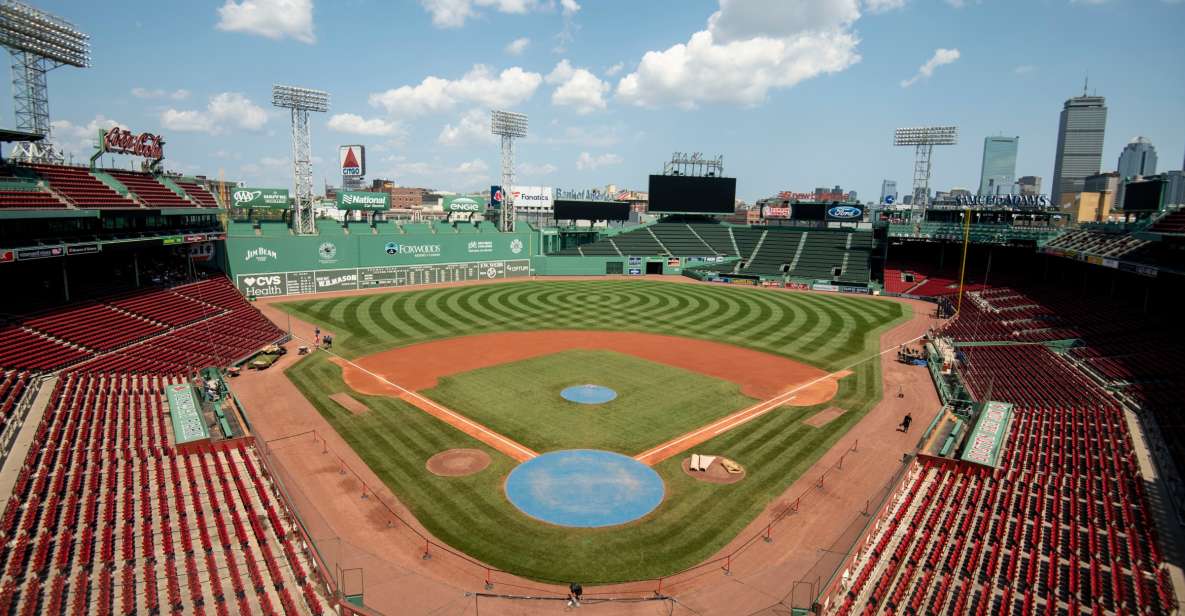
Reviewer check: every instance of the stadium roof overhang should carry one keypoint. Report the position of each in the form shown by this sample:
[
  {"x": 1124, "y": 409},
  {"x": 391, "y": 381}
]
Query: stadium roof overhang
[{"x": 7, "y": 136}]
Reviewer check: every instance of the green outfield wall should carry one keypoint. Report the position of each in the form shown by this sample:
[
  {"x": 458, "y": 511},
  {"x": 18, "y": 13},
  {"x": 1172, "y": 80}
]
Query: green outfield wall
[{"x": 290, "y": 265}]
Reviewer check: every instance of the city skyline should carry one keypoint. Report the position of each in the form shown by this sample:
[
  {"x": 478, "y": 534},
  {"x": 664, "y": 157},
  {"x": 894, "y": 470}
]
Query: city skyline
[
  {"x": 1080, "y": 137},
  {"x": 200, "y": 75},
  {"x": 997, "y": 173}
]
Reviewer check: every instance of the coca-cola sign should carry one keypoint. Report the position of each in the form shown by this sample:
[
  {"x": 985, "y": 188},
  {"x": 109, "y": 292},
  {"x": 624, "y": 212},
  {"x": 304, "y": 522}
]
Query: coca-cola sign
[{"x": 123, "y": 141}]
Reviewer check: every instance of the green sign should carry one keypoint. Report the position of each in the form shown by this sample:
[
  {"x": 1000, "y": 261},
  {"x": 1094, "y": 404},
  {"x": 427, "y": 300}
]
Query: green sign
[
  {"x": 188, "y": 423},
  {"x": 473, "y": 205},
  {"x": 371, "y": 201},
  {"x": 260, "y": 198},
  {"x": 987, "y": 439},
  {"x": 175, "y": 239}
]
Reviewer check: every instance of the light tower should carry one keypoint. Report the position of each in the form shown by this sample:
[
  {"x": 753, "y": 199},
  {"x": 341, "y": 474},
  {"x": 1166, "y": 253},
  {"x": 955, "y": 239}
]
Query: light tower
[
  {"x": 924, "y": 139},
  {"x": 508, "y": 125},
  {"x": 39, "y": 42},
  {"x": 301, "y": 101}
]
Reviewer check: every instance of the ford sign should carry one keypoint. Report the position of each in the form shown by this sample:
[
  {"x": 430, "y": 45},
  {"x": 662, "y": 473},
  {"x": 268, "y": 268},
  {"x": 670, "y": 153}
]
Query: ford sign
[{"x": 845, "y": 212}]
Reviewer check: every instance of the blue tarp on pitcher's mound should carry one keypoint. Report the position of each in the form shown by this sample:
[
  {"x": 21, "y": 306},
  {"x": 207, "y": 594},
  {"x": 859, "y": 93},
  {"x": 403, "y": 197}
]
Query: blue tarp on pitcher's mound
[
  {"x": 584, "y": 488},
  {"x": 588, "y": 394}
]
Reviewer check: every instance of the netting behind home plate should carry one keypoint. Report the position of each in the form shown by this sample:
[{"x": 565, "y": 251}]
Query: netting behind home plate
[{"x": 782, "y": 567}]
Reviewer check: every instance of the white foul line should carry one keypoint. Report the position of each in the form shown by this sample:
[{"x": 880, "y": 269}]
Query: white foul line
[{"x": 769, "y": 405}]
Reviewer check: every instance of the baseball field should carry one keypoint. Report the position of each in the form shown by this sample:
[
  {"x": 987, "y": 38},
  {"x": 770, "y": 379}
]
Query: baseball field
[{"x": 681, "y": 357}]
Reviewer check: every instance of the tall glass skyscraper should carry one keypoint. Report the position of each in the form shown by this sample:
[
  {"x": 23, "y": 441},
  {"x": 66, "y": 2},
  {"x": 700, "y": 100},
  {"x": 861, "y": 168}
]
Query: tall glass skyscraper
[
  {"x": 998, "y": 173},
  {"x": 1138, "y": 158},
  {"x": 1079, "y": 145}
]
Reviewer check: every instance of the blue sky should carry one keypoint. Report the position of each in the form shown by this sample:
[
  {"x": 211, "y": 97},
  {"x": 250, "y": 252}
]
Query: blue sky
[{"x": 794, "y": 93}]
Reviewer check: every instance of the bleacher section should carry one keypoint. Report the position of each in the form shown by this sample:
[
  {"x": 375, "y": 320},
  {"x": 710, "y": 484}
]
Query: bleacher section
[
  {"x": 13, "y": 385},
  {"x": 96, "y": 326},
  {"x": 107, "y": 517},
  {"x": 21, "y": 348},
  {"x": 81, "y": 188},
  {"x": 148, "y": 189},
  {"x": 1063, "y": 525},
  {"x": 25, "y": 195},
  {"x": 203, "y": 197},
  {"x": 779, "y": 254}
]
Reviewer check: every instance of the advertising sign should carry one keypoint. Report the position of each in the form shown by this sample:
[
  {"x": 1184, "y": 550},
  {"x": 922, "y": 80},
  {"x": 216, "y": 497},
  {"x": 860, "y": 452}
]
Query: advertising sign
[
  {"x": 635, "y": 271},
  {"x": 26, "y": 254},
  {"x": 83, "y": 249},
  {"x": 122, "y": 141},
  {"x": 353, "y": 160},
  {"x": 847, "y": 212},
  {"x": 770, "y": 211},
  {"x": 370, "y": 201},
  {"x": 276, "y": 198},
  {"x": 7, "y": 256},
  {"x": 468, "y": 205},
  {"x": 496, "y": 196},
  {"x": 673, "y": 262},
  {"x": 987, "y": 438},
  {"x": 534, "y": 197}
]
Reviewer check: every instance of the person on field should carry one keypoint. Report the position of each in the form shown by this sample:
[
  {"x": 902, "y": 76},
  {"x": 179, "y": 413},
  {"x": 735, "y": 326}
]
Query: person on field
[
  {"x": 574, "y": 593},
  {"x": 905, "y": 422}
]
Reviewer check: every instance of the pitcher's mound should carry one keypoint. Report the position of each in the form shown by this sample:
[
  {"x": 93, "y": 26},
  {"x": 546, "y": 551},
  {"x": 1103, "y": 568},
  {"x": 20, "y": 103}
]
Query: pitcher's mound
[
  {"x": 458, "y": 462},
  {"x": 714, "y": 474}
]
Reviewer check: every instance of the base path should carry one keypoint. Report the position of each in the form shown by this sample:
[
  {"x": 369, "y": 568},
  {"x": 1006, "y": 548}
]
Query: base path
[
  {"x": 760, "y": 375},
  {"x": 368, "y": 382}
]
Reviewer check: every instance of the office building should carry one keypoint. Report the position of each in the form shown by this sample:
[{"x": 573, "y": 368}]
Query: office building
[
  {"x": 997, "y": 173},
  {"x": 1138, "y": 159},
  {"x": 888, "y": 189},
  {"x": 1029, "y": 185},
  {"x": 1079, "y": 145}
]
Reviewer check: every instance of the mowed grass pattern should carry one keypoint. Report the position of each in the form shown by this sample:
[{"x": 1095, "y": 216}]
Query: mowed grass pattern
[
  {"x": 654, "y": 402},
  {"x": 823, "y": 330},
  {"x": 696, "y": 519}
]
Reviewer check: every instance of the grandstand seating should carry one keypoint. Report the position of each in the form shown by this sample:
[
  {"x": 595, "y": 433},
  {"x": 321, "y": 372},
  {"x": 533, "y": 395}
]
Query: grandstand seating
[
  {"x": 1062, "y": 525},
  {"x": 106, "y": 516},
  {"x": 681, "y": 241},
  {"x": 203, "y": 197},
  {"x": 149, "y": 189},
  {"x": 189, "y": 326},
  {"x": 1173, "y": 222},
  {"x": 13, "y": 385},
  {"x": 82, "y": 188},
  {"x": 34, "y": 197}
]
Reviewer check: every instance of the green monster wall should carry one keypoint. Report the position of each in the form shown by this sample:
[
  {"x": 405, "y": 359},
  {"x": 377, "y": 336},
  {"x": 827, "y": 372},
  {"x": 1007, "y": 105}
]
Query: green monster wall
[{"x": 289, "y": 265}]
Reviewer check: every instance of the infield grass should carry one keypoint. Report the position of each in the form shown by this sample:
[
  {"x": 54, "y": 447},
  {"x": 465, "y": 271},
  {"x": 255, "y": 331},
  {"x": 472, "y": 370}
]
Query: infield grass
[
  {"x": 654, "y": 402},
  {"x": 696, "y": 519}
]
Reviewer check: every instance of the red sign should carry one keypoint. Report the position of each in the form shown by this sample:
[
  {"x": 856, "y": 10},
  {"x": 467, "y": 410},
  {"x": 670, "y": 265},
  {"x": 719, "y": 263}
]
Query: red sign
[
  {"x": 827, "y": 196},
  {"x": 121, "y": 140},
  {"x": 7, "y": 256},
  {"x": 189, "y": 239},
  {"x": 776, "y": 212}
]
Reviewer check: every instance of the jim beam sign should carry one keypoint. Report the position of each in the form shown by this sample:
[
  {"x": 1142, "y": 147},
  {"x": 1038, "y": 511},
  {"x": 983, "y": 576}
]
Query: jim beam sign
[{"x": 122, "y": 141}]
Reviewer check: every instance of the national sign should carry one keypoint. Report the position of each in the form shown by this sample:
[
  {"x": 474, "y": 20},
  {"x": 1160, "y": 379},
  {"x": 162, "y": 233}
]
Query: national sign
[{"x": 372, "y": 201}]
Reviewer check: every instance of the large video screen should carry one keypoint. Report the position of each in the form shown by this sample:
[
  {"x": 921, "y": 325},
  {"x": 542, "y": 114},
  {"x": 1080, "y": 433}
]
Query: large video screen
[
  {"x": 1142, "y": 196},
  {"x": 572, "y": 209},
  {"x": 699, "y": 195}
]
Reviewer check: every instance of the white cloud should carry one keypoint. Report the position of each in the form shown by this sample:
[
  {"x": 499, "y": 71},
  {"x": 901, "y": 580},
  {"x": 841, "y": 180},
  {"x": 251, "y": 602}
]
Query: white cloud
[
  {"x": 570, "y": 7},
  {"x": 747, "y": 49},
  {"x": 584, "y": 136},
  {"x": 434, "y": 94},
  {"x": 1024, "y": 69},
  {"x": 577, "y": 88},
  {"x": 473, "y": 125},
  {"x": 958, "y": 4},
  {"x": 518, "y": 46},
  {"x": 881, "y": 6},
  {"x": 453, "y": 13},
  {"x": 532, "y": 169},
  {"x": 358, "y": 125},
  {"x": 177, "y": 95},
  {"x": 225, "y": 111},
  {"x": 941, "y": 57},
  {"x": 273, "y": 19},
  {"x": 80, "y": 140},
  {"x": 472, "y": 167},
  {"x": 615, "y": 69},
  {"x": 588, "y": 161}
]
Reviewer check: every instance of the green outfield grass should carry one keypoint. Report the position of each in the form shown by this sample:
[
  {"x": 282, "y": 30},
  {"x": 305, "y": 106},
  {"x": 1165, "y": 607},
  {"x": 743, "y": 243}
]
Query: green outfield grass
[
  {"x": 654, "y": 402},
  {"x": 472, "y": 513}
]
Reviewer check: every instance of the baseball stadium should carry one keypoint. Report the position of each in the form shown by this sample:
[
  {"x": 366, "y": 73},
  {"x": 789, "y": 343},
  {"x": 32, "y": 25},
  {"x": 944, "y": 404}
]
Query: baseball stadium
[{"x": 217, "y": 399}]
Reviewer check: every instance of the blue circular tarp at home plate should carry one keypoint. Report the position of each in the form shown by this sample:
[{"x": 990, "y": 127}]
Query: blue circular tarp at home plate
[
  {"x": 584, "y": 488},
  {"x": 588, "y": 394}
]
